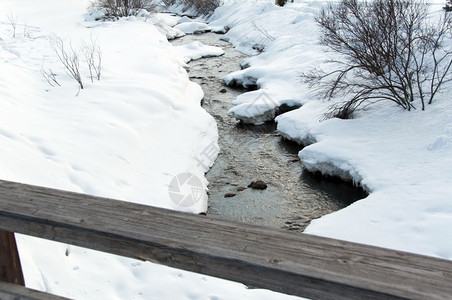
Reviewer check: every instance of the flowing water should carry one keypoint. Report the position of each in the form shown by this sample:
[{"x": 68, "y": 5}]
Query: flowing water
[{"x": 248, "y": 153}]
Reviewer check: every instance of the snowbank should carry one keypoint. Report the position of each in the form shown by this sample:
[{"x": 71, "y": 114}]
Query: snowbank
[
  {"x": 196, "y": 50},
  {"x": 283, "y": 39},
  {"x": 73, "y": 134},
  {"x": 192, "y": 27},
  {"x": 404, "y": 159}
]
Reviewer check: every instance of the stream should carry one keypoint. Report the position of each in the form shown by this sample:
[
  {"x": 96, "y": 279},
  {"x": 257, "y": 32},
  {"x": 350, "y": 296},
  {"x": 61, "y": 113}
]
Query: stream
[{"x": 249, "y": 153}]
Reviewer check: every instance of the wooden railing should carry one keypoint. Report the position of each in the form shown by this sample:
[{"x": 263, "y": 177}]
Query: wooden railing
[
  {"x": 297, "y": 264},
  {"x": 10, "y": 268}
]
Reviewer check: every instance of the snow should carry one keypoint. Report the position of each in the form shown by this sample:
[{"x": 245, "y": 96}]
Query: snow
[
  {"x": 139, "y": 102},
  {"x": 403, "y": 159},
  {"x": 125, "y": 137},
  {"x": 165, "y": 23},
  {"x": 192, "y": 27},
  {"x": 284, "y": 52},
  {"x": 184, "y": 19},
  {"x": 260, "y": 106},
  {"x": 196, "y": 50}
]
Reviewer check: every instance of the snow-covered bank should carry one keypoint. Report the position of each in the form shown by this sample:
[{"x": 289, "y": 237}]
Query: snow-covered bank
[
  {"x": 196, "y": 50},
  {"x": 285, "y": 37},
  {"x": 403, "y": 159},
  {"x": 110, "y": 139},
  {"x": 125, "y": 136}
]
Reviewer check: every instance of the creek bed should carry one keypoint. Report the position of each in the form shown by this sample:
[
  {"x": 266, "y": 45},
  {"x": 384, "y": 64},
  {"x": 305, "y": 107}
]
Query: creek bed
[{"x": 248, "y": 153}]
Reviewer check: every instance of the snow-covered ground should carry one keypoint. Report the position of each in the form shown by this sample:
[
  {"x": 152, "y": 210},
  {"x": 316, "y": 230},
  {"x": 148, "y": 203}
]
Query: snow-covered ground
[
  {"x": 125, "y": 137},
  {"x": 404, "y": 159}
]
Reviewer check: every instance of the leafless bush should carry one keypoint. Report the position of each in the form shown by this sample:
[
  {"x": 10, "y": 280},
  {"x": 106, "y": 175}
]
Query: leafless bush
[
  {"x": 71, "y": 61},
  {"x": 68, "y": 57},
  {"x": 93, "y": 57},
  {"x": 26, "y": 32},
  {"x": 170, "y": 2},
  {"x": 13, "y": 22},
  {"x": 200, "y": 7},
  {"x": 391, "y": 51},
  {"x": 123, "y": 8}
]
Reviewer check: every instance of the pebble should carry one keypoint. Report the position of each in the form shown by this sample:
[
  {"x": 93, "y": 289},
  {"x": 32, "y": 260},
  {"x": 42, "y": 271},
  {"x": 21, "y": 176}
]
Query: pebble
[
  {"x": 229, "y": 195},
  {"x": 258, "y": 185}
]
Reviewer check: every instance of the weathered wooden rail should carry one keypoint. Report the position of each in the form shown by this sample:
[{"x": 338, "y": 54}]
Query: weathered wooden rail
[
  {"x": 297, "y": 264},
  {"x": 9, "y": 291}
]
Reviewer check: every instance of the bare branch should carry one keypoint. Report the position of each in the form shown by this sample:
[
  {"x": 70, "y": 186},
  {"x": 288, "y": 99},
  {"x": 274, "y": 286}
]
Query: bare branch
[
  {"x": 263, "y": 31},
  {"x": 13, "y": 22},
  {"x": 68, "y": 57},
  {"x": 391, "y": 50},
  {"x": 50, "y": 77},
  {"x": 93, "y": 57},
  {"x": 115, "y": 9}
]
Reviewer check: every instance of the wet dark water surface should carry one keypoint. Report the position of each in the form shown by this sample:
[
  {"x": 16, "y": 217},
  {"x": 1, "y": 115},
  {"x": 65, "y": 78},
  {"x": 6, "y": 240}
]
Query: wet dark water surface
[{"x": 249, "y": 153}]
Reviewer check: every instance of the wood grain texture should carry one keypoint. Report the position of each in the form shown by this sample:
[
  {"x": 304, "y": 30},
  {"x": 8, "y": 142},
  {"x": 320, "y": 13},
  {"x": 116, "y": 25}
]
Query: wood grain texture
[
  {"x": 10, "y": 268},
  {"x": 297, "y": 264},
  {"x": 9, "y": 291}
]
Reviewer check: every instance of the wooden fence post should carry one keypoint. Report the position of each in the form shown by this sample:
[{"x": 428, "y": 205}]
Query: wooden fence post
[{"x": 10, "y": 268}]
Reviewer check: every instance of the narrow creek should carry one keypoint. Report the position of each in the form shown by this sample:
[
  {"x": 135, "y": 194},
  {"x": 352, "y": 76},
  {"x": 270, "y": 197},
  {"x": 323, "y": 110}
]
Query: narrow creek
[{"x": 248, "y": 153}]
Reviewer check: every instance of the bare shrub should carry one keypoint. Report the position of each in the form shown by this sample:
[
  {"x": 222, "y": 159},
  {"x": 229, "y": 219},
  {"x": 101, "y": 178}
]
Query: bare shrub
[
  {"x": 68, "y": 57},
  {"x": 123, "y": 8},
  {"x": 200, "y": 7},
  {"x": 93, "y": 57},
  {"x": 168, "y": 3},
  {"x": 26, "y": 32},
  {"x": 71, "y": 61},
  {"x": 13, "y": 22},
  {"x": 203, "y": 7},
  {"x": 390, "y": 50}
]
